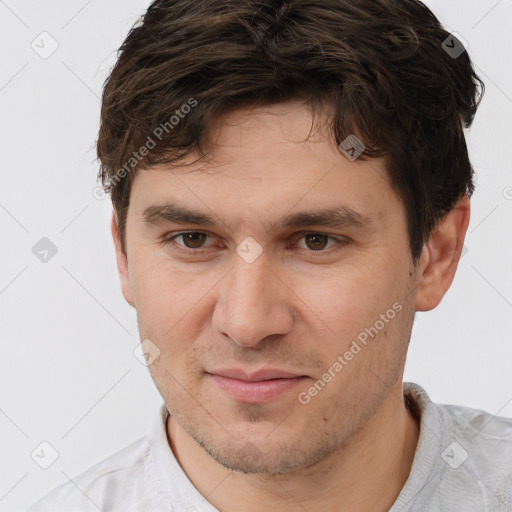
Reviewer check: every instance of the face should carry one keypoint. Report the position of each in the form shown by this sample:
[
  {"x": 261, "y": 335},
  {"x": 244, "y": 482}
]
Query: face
[{"x": 280, "y": 333}]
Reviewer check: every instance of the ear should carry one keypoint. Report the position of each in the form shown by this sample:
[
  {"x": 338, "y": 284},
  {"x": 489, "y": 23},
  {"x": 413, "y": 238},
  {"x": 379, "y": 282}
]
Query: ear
[
  {"x": 122, "y": 263},
  {"x": 441, "y": 255}
]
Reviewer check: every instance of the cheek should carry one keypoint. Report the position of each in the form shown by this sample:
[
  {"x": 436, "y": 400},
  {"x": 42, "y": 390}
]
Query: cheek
[
  {"x": 348, "y": 300},
  {"x": 170, "y": 305},
  {"x": 160, "y": 289}
]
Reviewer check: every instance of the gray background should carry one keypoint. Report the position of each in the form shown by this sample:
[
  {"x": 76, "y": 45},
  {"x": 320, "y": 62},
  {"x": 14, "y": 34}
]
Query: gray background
[{"x": 68, "y": 373}]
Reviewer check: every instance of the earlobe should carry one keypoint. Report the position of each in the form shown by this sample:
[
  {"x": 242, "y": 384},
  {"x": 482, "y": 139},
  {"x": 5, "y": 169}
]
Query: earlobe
[
  {"x": 441, "y": 255},
  {"x": 122, "y": 263}
]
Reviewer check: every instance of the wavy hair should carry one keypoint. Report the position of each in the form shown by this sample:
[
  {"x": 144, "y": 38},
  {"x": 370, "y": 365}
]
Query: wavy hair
[{"x": 376, "y": 68}]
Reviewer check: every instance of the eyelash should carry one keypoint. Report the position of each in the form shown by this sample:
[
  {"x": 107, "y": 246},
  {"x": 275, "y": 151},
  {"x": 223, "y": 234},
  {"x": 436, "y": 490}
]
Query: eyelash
[{"x": 340, "y": 242}]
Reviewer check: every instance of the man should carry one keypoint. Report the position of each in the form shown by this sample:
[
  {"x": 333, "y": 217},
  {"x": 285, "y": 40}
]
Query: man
[{"x": 291, "y": 183}]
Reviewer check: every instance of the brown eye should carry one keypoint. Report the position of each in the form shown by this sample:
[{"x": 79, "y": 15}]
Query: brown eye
[
  {"x": 316, "y": 241},
  {"x": 321, "y": 243},
  {"x": 193, "y": 239}
]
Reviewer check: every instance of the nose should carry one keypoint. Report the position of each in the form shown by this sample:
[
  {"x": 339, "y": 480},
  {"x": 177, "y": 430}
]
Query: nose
[{"x": 253, "y": 304}]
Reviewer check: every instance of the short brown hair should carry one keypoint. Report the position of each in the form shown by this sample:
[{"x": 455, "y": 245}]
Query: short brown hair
[{"x": 381, "y": 67}]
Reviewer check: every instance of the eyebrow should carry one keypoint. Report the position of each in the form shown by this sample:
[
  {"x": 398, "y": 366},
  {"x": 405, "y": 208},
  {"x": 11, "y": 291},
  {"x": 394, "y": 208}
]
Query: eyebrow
[{"x": 339, "y": 217}]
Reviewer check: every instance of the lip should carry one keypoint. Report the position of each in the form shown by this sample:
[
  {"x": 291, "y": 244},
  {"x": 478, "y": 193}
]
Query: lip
[
  {"x": 263, "y": 374},
  {"x": 258, "y": 387}
]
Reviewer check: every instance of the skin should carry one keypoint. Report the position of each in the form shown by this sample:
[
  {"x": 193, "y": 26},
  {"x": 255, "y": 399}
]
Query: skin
[{"x": 297, "y": 307}]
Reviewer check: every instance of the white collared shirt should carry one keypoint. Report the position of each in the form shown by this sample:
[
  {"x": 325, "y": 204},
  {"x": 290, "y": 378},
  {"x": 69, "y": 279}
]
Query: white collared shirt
[{"x": 463, "y": 463}]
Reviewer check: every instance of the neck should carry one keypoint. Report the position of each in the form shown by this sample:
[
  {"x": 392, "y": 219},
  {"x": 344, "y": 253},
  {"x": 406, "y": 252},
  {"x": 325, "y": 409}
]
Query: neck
[{"x": 366, "y": 474}]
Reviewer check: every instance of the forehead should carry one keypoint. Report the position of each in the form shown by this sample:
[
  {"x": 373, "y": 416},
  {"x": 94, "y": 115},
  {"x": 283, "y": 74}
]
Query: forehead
[{"x": 268, "y": 163}]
